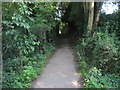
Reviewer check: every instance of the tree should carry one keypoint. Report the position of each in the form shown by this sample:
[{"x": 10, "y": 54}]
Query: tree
[
  {"x": 97, "y": 12},
  {"x": 90, "y": 17}
]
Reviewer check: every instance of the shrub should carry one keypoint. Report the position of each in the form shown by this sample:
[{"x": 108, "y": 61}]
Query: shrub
[{"x": 98, "y": 58}]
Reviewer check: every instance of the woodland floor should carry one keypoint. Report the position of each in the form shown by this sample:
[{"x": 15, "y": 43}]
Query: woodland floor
[{"x": 60, "y": 72}]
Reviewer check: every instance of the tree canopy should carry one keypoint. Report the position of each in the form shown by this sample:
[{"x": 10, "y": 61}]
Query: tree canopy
[{"x": 30, "y": 29}]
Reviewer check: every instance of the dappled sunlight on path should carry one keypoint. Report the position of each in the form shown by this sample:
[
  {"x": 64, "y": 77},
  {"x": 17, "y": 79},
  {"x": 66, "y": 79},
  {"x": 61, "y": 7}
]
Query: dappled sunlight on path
[{"x": 60, "y": 72}]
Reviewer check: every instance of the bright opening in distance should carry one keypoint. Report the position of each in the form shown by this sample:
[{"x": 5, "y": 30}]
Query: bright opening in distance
[{"x": 109, "y": 7}]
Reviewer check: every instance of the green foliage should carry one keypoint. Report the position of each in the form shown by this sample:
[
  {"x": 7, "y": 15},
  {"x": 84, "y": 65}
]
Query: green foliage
[
  {"x": 75, "y": 17},
  {"x": 112, "y": 22},
  {"x": 27, "y": 40},
  {"x": 95, "y": 79},
  {"x": 19, "y": 73},
  {"x": 98, "y": 58},
  {"x": 63, "y": 28}
]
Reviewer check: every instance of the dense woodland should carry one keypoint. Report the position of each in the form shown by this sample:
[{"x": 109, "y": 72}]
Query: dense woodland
[{"x": 31, "y": 28}]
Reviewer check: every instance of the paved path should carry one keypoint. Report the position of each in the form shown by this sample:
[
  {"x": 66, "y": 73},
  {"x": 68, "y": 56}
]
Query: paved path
[{"x": 60, "y": 72}]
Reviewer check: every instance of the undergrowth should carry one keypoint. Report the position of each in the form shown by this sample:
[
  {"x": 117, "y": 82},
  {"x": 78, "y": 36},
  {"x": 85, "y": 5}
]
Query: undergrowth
[
  {"x": 19, "y": 72},
  {"x": 28, "y": 39},
  {"x": 98, "y": 58}
]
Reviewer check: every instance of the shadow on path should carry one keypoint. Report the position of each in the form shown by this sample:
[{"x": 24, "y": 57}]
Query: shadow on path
[{"x": 60, "y": 72}]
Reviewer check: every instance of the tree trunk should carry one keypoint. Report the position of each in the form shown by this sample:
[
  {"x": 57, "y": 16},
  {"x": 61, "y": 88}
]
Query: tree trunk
[
  {"x": 119, "y": 11},
  {"x": 98, "y": 11},
  {"x": 90, "y": 18},
  {"x": 86, "y": 10}
]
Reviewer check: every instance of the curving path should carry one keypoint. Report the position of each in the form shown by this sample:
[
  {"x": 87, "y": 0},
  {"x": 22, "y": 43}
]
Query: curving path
[{"x": 60, "y": 72}]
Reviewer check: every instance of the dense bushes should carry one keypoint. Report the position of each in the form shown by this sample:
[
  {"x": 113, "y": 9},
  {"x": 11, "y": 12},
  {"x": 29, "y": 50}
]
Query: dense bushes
[
  {"x": 27, "y": 40},
  {"x": 98, "y": 58}
]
